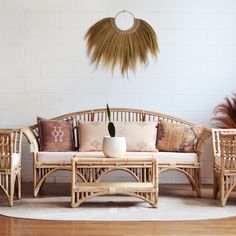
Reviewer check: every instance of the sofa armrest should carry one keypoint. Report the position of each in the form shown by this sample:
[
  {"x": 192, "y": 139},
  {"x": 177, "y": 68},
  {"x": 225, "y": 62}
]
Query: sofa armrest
[
  {"x": 10, "y": 142},
  {"x": 34, "y": 147},
  {"x": 201, "y": 140}
]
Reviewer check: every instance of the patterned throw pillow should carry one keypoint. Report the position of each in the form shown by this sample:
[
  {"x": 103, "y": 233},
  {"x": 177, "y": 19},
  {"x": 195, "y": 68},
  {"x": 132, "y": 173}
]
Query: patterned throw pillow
[
  {"x": 55, "y": 135},
  {"x": 173, "y": 137},
  {"x": 140, "y": 136},
  {"x": 91, "y": 135}
]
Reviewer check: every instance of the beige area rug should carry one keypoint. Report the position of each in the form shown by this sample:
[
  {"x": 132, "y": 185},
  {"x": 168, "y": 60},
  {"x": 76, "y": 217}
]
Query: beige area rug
[{"x": 119, "y": 208}]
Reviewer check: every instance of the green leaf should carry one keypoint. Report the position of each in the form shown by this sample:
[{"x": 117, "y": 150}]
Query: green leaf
[
  {"x": 111, "y": 129},
  {"x": 108, "y": 113}
]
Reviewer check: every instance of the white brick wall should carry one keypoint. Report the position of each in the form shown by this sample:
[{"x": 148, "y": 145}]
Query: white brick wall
[{"x": 44, "y": 69}]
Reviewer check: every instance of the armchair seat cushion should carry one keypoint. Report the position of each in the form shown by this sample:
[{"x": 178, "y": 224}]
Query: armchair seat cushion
[
  {"x": 163, "y": 157},
  {"x": 218, "y": 160},
  {"x": 228, "y": 164},
  {"x": 16, "y": 159}
]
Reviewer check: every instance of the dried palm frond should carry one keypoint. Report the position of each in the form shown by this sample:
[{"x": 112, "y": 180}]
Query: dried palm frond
[
  {"x": 226, "y": 114},
  {"x": 110, "y": 46}
]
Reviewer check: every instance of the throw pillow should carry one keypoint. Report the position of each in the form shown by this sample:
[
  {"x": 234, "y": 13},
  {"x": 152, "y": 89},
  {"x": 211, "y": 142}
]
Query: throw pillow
[
  {"x": 140, "y": 136},
  {"x": 174, "y": 137},
  {"x": 55, "y": 135},
  {"x": 91, "y": 135}
]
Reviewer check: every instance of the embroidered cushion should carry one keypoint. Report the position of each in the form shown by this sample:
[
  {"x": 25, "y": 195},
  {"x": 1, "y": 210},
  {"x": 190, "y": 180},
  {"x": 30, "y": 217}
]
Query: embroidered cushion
[
  {"x": 91, "y": 135},
  {"x": 140, "y": 136},
  {"x": 174, "y": 137},
  {"x": 55, "y": 135}
]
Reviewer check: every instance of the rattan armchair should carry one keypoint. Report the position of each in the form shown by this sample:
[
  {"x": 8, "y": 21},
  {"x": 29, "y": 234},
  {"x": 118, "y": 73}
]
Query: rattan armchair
[
  {"x": 224, "y": 162},
  {"x": 10, "y": 162}
]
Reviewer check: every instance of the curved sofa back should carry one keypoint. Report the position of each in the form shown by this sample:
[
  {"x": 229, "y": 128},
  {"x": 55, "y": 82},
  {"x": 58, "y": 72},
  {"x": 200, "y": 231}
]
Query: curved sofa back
[{"x": 117, "y": 114}]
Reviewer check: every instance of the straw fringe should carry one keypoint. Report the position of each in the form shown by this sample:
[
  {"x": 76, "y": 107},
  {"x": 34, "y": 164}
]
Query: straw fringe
[
  {"x": 108, "y": 45},
  {"x": 225, "y": 114}
]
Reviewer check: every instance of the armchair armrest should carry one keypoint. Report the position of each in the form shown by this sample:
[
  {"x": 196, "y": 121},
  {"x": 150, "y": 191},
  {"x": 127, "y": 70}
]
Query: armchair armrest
[{"x": 34, "y": 147}]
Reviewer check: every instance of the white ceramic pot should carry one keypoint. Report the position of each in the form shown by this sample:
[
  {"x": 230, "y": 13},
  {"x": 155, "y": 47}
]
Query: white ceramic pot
[{"x": 114, "y": 146}]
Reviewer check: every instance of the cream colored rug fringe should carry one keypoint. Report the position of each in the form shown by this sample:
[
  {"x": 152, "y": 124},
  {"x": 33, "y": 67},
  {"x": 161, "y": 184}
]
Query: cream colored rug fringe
[{"x": 119, "y": 208}]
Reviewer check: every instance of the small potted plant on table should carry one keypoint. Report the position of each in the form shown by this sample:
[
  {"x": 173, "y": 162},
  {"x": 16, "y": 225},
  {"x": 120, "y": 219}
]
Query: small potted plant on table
[{"x": 113, "y": 146}]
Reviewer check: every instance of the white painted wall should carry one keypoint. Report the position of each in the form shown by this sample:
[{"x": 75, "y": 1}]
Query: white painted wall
[{"x": 44, "y": 69}]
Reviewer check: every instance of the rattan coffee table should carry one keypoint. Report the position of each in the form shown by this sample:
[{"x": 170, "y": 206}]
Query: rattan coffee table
[{"x": 144, "y": 170}]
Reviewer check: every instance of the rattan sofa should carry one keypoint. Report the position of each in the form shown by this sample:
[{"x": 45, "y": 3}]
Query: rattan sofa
[{"x": 189, "y": 164}]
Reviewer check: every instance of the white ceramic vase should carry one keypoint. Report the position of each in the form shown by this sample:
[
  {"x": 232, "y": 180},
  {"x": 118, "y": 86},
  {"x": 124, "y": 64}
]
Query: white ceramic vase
[{"x": 114, "y": 146}]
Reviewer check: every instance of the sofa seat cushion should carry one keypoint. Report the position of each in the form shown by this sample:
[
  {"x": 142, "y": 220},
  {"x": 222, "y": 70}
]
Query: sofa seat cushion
[
  {"x": 176, "y": 157},
  {"x": 163, "y": 157},
  {"x": 55, "y": 157}
]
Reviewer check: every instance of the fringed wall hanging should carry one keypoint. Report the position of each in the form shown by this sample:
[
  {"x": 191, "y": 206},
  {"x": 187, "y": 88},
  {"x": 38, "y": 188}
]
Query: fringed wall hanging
[{"x": 111, "y": 46}]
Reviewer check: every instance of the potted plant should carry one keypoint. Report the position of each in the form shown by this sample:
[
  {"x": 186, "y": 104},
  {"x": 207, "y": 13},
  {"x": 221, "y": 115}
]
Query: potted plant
[{"x": 113, "y": 146}]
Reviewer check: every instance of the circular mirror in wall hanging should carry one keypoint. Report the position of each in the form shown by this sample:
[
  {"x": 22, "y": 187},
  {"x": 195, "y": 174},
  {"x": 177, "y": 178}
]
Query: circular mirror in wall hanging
[{"x": 111, "y": 46}]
